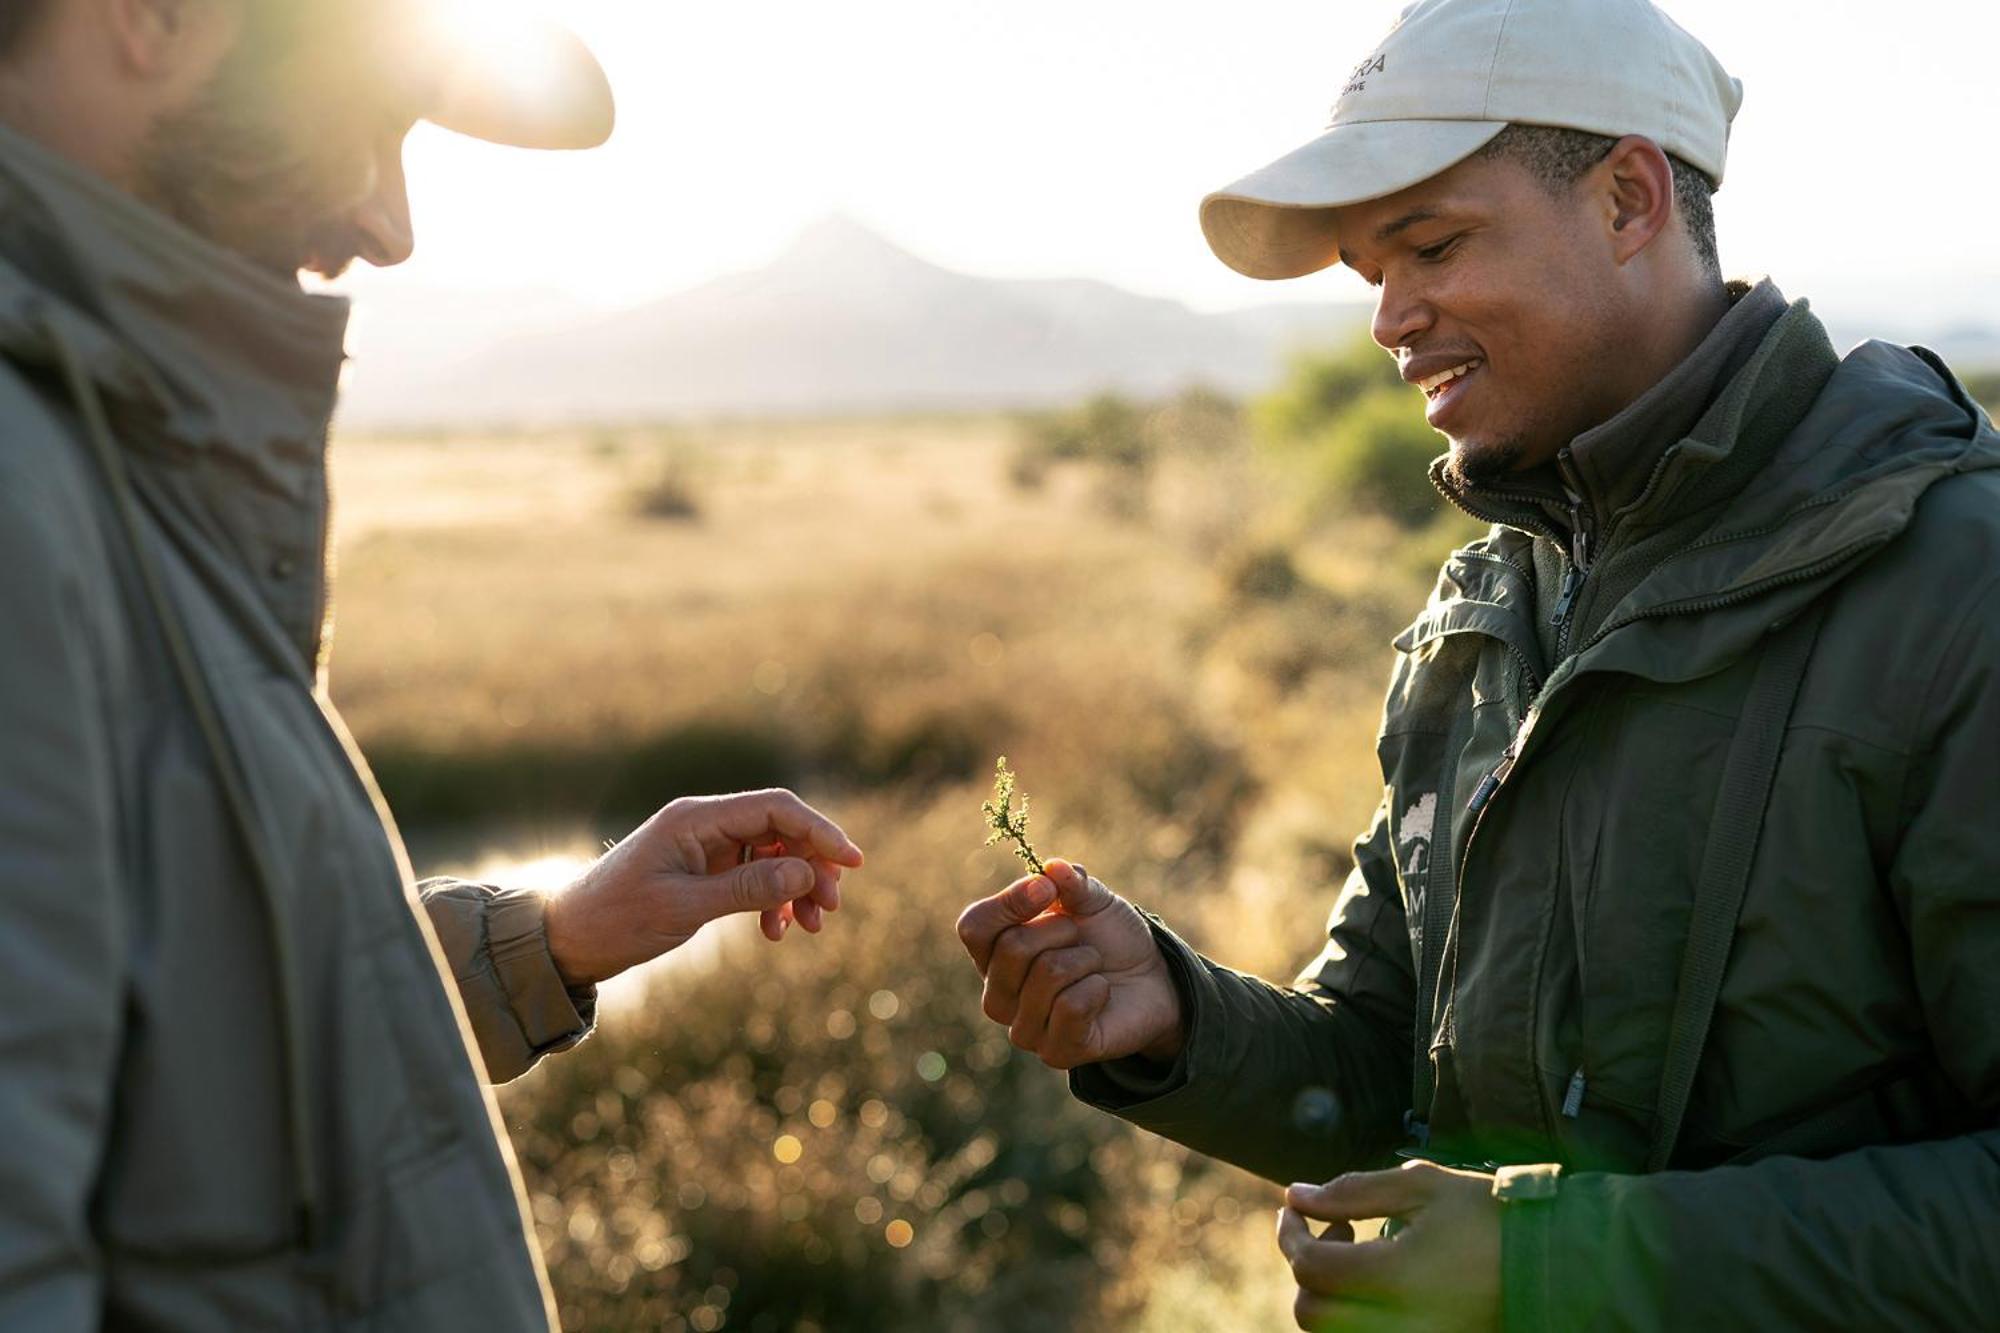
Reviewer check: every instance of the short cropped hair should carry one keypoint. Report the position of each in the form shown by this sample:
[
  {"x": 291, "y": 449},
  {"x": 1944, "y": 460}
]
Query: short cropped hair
[{"x": 1559, "y": 157}]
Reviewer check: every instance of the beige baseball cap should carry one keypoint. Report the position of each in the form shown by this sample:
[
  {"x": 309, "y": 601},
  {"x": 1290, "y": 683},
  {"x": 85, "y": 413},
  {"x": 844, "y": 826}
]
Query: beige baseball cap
[{"x": 1449, "y": 77}]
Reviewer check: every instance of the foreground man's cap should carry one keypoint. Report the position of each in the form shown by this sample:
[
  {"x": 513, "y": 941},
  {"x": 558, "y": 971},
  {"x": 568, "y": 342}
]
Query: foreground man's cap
[
  {"x": 1449, "y": 77},
  {"x": 500, "y": 71}
]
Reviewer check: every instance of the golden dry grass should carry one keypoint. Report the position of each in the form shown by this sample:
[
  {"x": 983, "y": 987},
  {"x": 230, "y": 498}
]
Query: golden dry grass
[{"x": 871, "y": 607}]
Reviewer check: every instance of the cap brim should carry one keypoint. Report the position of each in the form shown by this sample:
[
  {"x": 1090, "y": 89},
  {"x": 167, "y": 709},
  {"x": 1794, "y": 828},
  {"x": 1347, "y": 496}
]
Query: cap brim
[
  {"x": 528, "y": 83},
  {"x": 1278, "y": 222}
]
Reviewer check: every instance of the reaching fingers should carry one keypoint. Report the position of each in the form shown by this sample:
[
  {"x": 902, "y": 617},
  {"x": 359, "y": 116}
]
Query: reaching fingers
[
  {"x": 826, "y": 875},
  {"x": 1367, "y": 1193},
  {"x": 754, "y": 817},
  {"x": 981, "y": 924},
  {"x": 826, "y": 885},
  {"x": 1051, "y": 973},
  {"x": 775, "y": 921},
  {"x": 754, "y": 886},
  {"x": 1013, "y": 954}
]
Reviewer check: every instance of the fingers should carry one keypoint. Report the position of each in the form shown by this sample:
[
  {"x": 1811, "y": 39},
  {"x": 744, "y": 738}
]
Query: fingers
[
  {"x": 774, "y": 922},
  {"x": 981, "y": 924},
  {"x": 754, "y": 886},
  {"x": 1079, "y": 894},
  {"x": 826, "y": 885},
  {"x": 758, "y": 816},
  {"x": 1072, "y": 1037},
  {"x": 1052, "y": 972},
  {"x": 1013, "y": 954},
  {"x": 1335, "y": 1264},
  {"x": 1367, "y": 1193}
]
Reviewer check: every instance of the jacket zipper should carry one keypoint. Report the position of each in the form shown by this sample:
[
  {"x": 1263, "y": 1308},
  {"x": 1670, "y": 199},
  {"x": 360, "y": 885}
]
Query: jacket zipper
[{"x": 1577, "y": 569}]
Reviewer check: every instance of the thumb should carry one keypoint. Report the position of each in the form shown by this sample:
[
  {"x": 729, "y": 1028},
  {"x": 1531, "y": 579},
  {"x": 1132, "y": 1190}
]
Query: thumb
[
  {"x": 754, "y": 886},
  {"x": 1363, "y": 1194},
  {"x": 1076, "y": 891}
]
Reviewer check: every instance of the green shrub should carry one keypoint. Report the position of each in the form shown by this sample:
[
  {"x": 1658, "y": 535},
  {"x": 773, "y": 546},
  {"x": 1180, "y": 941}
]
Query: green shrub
[
  {"x": 1320, "y": 386},
  {"x": 1109, "y": 432},
  {"x": 1377, "y": 456}
]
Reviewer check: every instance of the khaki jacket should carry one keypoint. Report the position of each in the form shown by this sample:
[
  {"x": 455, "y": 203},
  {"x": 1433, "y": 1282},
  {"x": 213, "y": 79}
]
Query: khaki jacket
[{"x": 237, "y": 1087}]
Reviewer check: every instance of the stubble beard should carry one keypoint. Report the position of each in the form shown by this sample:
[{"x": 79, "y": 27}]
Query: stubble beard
[
  {"x": 1474, "y": 464},
  {"x": 223, "y": 167}
]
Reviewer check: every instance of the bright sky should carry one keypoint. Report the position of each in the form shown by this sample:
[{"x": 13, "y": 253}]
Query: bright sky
[{"x": 1075, "y": 137}]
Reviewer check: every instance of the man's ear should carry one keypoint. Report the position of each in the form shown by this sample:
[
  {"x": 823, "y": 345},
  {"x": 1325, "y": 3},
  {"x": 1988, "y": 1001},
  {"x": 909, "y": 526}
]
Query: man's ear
[
  {"x": 1635, "y": 184},
  {"x": 162, "y": 39}
]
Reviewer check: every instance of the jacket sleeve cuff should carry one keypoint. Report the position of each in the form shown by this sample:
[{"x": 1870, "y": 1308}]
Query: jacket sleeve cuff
[
  {"x": 1527, "y": 1220},
  {"x": 514, "y": 998},
  {"x": 552, "y": 1016}
]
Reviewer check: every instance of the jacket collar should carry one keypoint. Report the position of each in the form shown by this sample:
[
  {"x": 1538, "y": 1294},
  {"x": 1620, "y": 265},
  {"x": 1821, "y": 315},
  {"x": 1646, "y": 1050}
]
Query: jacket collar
[
  {"x": 1869, "y": 440},
  {"x": 193, "y": 347},
  {"x": 1615, "y": 469}
]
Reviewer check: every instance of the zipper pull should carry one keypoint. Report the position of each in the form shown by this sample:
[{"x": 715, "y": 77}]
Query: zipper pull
[
  {"x": 1491, "y": 782},
  {"x": 1573, "y": 1099},
  {"x": 1566, "y": 600}
]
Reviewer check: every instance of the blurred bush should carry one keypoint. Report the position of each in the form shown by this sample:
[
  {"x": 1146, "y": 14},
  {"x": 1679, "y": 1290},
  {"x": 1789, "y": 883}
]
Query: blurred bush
[
  {"x": 670, "y": 488},
  {"x": 1352, "y": 435},
  {"x": 1984, "y": 386},
  {"x": 1122, "y": 443},
  {"x": 1320, "y": 385}
]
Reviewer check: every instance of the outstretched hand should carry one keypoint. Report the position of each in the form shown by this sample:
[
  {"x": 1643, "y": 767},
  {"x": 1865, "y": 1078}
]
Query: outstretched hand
[
  {"x": 698, "y": 859},
  {"x": 1072, "y": 970}
]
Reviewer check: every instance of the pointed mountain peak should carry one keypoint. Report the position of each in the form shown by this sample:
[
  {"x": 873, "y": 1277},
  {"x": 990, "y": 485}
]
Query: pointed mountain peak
[{"x": 841, "y": 240}]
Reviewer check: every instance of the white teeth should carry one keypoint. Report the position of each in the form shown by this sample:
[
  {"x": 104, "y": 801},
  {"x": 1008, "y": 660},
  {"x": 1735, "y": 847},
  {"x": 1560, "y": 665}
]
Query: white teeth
[{"x": 1444, "y": 377}]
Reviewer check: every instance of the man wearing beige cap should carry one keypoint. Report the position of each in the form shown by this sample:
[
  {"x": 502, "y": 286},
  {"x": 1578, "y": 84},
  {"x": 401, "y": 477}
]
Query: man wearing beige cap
[
  {"x": 240, "y": 1051},
  {"x": 1671, "y": 959}
]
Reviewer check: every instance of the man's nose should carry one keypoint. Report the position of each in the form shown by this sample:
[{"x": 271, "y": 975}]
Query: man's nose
[
  {"x": 1400, "y": 317},
  {"x": 383, "y": 218}
]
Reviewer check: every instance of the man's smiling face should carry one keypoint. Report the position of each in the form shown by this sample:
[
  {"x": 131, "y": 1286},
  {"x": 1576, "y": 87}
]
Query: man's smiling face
[{"x": 1500, "y": 298}]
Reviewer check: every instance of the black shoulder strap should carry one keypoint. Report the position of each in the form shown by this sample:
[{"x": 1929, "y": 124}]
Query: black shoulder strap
[{"x": 1747, "y": 776}]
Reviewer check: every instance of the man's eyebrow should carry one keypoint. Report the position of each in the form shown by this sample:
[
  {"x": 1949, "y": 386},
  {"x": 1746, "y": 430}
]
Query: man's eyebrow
[{"x": 1390, "y": 230}]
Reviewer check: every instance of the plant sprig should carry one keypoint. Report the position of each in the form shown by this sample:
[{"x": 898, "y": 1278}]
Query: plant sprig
[{"x": 1005, "y": 822}]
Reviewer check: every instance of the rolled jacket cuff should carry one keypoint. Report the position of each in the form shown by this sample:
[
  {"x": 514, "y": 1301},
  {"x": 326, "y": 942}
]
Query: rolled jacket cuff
[
  {"x": 496, "y": 942},
  {"x": 552, "y": 1015}
]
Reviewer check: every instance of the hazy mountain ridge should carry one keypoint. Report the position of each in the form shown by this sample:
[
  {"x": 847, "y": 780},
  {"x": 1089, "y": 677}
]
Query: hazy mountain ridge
[
  {"x": 847, "y": 322},
  {"x": 844, "y": 321}
]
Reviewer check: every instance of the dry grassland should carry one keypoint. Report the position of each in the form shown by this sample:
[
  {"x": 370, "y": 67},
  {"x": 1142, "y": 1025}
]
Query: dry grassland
[{"x": 825, "y": 1134}]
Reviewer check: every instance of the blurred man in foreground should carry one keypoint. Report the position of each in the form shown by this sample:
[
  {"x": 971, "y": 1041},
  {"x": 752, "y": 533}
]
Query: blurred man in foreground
[
  {"x": 1673, "y": 952},
  {"x": 235, "y": 1090}
]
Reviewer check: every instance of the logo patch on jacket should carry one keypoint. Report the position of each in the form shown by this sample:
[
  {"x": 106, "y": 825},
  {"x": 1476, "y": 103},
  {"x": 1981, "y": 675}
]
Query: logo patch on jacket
[
  {"x": 1413, "y": 835},
  {"x": 1413, "y": 853}
]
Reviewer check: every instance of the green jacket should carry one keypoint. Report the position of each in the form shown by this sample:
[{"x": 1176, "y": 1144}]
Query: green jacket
[
  {"x": 1543, "y": 824},
  {"x": 237, "y": 1090}
]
